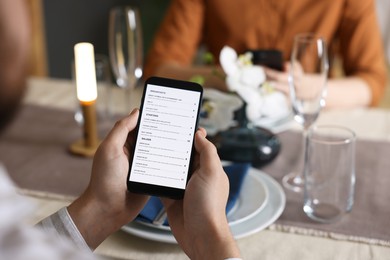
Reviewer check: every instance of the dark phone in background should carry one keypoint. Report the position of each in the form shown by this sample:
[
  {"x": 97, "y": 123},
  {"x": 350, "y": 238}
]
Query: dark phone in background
[{"x": 270, "y": 58}]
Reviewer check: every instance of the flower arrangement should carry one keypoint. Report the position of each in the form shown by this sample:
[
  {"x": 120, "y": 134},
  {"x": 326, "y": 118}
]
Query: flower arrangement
[{"x": 249, "y": 82}]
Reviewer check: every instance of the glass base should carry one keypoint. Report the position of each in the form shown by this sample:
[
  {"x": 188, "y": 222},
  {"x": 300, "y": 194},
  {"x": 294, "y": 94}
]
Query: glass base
[
  {"x": 294, "y": 182},
  {"x": 322, "y": 212}
]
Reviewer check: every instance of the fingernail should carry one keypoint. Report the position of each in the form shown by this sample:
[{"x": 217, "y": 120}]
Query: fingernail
[
  {"x": 201, "y": 134},
  {"x": 134, "y": 111}
]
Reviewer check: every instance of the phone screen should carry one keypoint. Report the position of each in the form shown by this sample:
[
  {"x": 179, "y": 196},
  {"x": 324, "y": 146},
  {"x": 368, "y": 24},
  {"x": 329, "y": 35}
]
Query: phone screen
[{"x": 166, "y": 128}]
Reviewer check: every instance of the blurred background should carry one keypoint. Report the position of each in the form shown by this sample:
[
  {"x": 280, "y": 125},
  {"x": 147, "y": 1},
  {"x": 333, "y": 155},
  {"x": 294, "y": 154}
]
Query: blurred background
[{"x": 58, "y": 25}]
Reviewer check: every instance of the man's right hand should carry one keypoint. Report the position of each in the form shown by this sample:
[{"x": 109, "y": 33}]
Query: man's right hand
[{"x": 199, "y": 221}]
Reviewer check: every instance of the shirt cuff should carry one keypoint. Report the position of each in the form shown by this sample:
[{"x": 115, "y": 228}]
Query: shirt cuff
[{"x": 62, "y": 224}]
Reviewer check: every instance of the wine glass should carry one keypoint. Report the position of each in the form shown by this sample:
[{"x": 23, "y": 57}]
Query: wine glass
[
  {"x": 307, "y": 80},
  {"x": 125, "y": 47}
]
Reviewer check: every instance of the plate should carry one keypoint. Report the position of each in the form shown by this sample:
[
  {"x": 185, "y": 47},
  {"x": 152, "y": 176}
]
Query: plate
[
  {"x": 271, "y": 211},
  {"x": 251, "y": 200}
]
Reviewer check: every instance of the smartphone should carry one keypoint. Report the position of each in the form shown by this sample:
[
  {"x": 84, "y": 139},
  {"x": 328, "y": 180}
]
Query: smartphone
[
  {"x": 164, "y": 145},
  {"x": 270, "y": 58}
]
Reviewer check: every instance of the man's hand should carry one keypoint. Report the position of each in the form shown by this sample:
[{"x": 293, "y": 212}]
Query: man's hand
[
  {"x": 106, "y": 205},
  {"x": 199, "y": 222}
]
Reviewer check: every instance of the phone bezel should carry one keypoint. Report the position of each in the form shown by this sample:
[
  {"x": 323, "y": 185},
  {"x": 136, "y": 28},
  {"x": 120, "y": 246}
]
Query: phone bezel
[{"x": 156, "y": 190}]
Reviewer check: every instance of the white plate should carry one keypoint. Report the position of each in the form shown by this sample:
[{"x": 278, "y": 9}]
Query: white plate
[
  {"x": 271, "y": 212},
  {"x": 251, "y": 200},
  {"x": 257, "y": 222}
]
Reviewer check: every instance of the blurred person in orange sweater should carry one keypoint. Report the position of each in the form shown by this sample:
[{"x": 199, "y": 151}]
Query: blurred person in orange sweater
[{"x": 265, "y": 24}]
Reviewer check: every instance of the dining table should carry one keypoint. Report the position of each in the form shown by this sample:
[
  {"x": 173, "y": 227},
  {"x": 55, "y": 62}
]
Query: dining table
[{"x": 48, "y": 110}]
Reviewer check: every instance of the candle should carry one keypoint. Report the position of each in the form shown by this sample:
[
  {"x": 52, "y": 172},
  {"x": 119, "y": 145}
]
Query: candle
[
  {"x": 87, "y": 95},
  {"x": 85, "y": 72}
]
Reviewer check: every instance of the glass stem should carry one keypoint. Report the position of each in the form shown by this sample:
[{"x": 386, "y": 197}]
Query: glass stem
[{"x": 305, "y": 152}]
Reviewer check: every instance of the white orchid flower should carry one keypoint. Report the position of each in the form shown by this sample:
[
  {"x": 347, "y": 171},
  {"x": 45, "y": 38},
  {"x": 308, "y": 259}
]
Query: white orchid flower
[
  {"x": 239, "y": 70},
  {"x": 246, "y": 79},
  {"x": 228, "y": 61}
]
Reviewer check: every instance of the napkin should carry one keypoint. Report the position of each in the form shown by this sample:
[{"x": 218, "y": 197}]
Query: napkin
[{"x": 236, "y": 173}]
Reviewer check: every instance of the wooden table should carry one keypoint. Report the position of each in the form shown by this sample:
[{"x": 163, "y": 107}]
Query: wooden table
[{"x": 370, "y": 123}]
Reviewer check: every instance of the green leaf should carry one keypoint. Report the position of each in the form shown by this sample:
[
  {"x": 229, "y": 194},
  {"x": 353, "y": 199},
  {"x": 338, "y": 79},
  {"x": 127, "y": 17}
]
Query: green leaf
[
  {"x": 198, "y": 79},
  {"x": 208, "y": 58}
]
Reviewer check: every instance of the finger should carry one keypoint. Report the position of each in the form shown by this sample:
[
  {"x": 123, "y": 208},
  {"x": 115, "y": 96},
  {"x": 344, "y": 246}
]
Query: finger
[
  {"x": 274, "y": 75},
  {"x": 118, "y": 134},
  {"x": 287, "y": 66},
  {"x": 167, "y": 202},
  {"x": 195, "y": 162},
  {"x": 207, "y": 151},
  {"x": 174, "y": 209},
  {"x": 283, "y": 87},
  {"x": 270, "y": 74},
  {"x": 137, "y": 201},
  {"x": 203, "y": 130},
  {"x": 202, "y": 145}
]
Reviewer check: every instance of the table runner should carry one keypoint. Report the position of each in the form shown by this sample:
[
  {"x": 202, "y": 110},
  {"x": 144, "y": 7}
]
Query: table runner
[
  {"x": 34, "y": 151},
  {"x": 369, "y": 220}
]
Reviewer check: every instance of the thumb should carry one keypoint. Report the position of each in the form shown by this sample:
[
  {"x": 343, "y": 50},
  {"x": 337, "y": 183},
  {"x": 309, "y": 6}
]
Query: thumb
[
  {"x": 118, "y": 134},
  {"x": 200, "y": 138},
  {"x": 207, "y": 151}
]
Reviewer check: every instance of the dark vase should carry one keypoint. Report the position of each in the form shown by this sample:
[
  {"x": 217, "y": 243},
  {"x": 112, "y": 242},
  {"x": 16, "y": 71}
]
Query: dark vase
[{"x": 246, "y": 142}]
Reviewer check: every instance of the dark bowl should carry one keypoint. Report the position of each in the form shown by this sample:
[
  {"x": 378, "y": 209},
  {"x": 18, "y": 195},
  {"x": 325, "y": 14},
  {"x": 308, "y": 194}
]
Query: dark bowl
[{"x": 256, "y": 145}]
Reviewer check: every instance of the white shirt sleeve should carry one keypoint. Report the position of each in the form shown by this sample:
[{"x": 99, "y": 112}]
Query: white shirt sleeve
[
  {"x": 62, "y": 225},
  {"x": 19, "y": 240}
]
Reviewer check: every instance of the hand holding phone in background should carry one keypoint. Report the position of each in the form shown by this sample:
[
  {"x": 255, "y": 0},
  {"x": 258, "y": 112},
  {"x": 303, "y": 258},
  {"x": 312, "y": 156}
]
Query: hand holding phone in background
[{"x": 275, "y": 69}]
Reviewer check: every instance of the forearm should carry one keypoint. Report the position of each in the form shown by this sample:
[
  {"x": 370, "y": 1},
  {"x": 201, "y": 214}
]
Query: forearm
[
  {"x": 214, "y": 241},
  {"x": 213, "y": 76},
  {"x": 347, "y": 93},
  {"x": 218, "y": 244},
  {"x": 94, "y": 222}
]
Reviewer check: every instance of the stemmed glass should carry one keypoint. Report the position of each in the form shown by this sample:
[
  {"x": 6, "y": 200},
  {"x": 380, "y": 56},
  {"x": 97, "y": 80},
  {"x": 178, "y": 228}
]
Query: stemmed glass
[
  {"x": 125, "y": 47},
  {"x": 307, "y": 80}
]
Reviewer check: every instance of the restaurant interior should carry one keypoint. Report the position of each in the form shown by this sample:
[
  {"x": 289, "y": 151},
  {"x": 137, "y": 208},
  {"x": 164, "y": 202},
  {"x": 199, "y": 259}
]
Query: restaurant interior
[{"x": 269, "y": 217}]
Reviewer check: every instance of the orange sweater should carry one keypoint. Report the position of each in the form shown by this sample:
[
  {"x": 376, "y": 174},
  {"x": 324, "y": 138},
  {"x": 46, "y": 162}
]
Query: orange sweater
[{"x": 268, "y": 24}]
